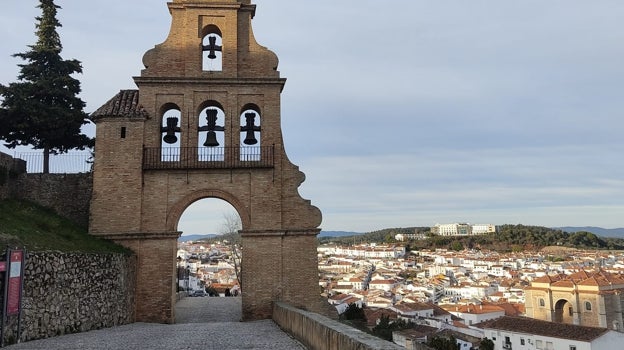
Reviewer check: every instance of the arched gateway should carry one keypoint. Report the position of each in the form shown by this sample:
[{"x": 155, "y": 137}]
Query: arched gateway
[{"x": 197, "y": 130}]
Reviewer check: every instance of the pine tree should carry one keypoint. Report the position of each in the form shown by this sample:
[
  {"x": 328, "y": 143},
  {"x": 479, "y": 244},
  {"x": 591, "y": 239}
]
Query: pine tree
[{"x": 42, "y": 108}]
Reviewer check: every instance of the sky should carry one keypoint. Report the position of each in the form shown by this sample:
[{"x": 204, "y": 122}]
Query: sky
[{"x": 406, "y": 113}]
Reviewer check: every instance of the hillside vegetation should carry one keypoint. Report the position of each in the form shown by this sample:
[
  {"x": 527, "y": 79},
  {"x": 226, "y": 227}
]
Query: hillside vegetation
[
  {"x": 507, "y": 238},
  {"x": 27, "y": 225}
]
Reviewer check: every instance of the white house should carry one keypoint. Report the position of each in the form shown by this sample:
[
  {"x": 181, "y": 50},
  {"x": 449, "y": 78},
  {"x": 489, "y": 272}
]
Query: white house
[
  {"x": 473, "y": 314},
  {"x": 522, "y": 333},
  {"x": 411, "y": 311}
]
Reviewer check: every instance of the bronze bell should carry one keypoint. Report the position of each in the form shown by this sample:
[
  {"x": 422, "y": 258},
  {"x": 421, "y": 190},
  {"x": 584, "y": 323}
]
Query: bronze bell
[
  {"x": 171, "y": 128},
  {"x": 212, "y": 46},
  {"x": 250, "y": 129},
  {"x": 211, "y": 139},
  {"x": 250, "y": 139}
]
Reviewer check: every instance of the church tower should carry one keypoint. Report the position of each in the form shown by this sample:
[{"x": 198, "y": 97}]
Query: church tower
[{"x": 205, "y": 123}]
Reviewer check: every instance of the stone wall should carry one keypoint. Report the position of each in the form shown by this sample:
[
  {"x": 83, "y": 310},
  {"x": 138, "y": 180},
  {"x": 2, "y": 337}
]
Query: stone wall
[
  {"x": 68, "y": 195},
  {"x": 10, "y": 169},
  {"x": 69, "y": 293},
  {"x": 319, "y": 332}
]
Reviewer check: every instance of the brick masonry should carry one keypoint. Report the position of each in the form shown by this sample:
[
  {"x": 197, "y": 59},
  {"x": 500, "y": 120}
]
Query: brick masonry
[{"x": 141, "y": 208}]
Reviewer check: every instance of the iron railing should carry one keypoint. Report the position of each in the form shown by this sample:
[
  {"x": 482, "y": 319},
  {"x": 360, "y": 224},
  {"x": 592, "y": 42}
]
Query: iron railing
[
  {"x": 185, "y": 158},
  {"x": 66, "y": 163}
]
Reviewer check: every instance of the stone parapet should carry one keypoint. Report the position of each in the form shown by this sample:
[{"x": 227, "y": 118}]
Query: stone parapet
[{"x": 319, "y": 332}]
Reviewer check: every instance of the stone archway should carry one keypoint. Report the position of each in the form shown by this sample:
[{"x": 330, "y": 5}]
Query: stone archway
[
  {"x": 564, "y": 312},
  {"x": 139, "y": 195}
]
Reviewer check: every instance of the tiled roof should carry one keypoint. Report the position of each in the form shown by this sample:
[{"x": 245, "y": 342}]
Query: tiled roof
[
  {"x": 373, "y": 315},
  {"x": 563, "y": 283},
  {"x": 125, "y": 104},
  {"x": 544, "y": 328},
  {"x": 408, "y": 307},
  {"x": 549, "y": 278},
  {"x": 438, "y": 311},
  {"x": 418, "y": 331},
  {"x": 598, "y": 278},
  {"x": 473, "y": 309},
  {"x": 339, "y": 296}
]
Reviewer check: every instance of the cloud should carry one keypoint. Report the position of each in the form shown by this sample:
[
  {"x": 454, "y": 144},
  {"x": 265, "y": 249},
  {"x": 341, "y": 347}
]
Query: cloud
[{"x": 406, "y": 113}]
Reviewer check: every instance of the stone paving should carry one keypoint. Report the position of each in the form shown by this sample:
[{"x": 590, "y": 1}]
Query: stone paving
[{"x": 202, "y": 323}]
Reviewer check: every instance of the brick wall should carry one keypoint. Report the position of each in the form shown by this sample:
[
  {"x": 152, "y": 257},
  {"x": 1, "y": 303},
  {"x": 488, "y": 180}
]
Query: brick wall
[{"x": 141, "y": 208}]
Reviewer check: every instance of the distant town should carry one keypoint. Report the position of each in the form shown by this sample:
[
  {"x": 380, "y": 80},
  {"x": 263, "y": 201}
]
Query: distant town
[{"x": 555, "y": 297}]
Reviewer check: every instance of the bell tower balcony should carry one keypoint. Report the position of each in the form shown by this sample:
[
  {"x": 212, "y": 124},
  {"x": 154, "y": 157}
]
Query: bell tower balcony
[{"x": 192, "y": 158}]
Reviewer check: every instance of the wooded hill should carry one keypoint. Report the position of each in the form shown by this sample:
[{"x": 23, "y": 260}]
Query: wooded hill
[{"x": 506, "y": 238}]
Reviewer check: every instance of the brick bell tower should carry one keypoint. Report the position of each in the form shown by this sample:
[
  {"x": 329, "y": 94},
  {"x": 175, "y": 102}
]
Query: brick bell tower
[{"x": 205, "y": 123}]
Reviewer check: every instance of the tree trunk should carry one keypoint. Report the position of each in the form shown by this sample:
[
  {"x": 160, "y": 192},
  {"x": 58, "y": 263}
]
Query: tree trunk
[{"x": 46, "y": 160}]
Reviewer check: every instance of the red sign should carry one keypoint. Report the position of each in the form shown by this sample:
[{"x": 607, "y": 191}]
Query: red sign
[{"x": 16, "y": 260}]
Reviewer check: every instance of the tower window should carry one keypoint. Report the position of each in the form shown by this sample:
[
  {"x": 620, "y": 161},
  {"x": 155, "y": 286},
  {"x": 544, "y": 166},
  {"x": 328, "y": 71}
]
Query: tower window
[
  {"x": 212, "y": 49},
  {"x": 171, "y": 132},
  {"x": 250, "y": 133},
  {"x": 588, "y": 306},
  {"x": 211, "y": 132},
  {"x": 123, "y": 132}
]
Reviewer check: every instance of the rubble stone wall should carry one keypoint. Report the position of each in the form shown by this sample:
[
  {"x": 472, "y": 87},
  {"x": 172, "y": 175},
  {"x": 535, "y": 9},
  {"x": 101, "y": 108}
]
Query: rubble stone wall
[
  {"x": 10, "y": 169},
  {"x": 69, "y": 195},
  {"x": 74, "y": 292}
]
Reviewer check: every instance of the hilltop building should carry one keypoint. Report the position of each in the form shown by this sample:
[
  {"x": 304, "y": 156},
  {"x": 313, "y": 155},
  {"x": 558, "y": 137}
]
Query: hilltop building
[{"x": 462, "y": 229}]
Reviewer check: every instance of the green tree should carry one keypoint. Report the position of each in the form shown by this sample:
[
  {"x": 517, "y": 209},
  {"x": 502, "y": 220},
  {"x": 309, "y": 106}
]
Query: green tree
[
  {"x": 456, "y": 246},
  {"x": 486, "y": 344},
  {"x": 384, "y": 328},
  {"x": 354, "y": 313},
  {"x": 42, "y": 108},
  {"x": 443, "y": 343}
]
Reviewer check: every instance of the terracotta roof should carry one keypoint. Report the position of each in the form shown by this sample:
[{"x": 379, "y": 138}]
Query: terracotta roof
[
  {"x": 473, "y": 309},
  {"x": 125, "y": 104},
  {"x": 563, "y": 283},
  {"x": 339, "y": 296},
  {"x": 579, "y": 276},
  {"x": 351, "y": 300},
  {"x": 438, "y": 311},
  {"x": 598, "y": 278},
  {"x": 510, "y": 309},
  {"x": 407, "y": 307},
  {"x": 549, "y": 278},
  {"x": 372, "y": 315},
  {"x": 418, "y": 331},
  {"x": 544, "y": 328}
]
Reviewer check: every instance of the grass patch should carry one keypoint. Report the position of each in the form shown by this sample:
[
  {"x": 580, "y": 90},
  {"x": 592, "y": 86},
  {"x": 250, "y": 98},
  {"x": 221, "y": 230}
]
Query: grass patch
[{"x": 24, "y": 224}]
